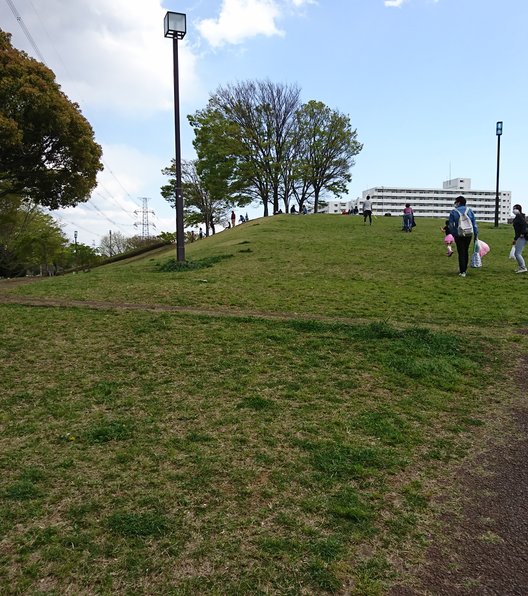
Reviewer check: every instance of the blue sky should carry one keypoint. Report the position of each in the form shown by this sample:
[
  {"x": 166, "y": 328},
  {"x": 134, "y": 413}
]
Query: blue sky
[{"x": 423, "y": 82}]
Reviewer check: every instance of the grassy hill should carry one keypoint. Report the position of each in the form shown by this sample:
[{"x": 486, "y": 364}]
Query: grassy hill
[
  {"x": 322, "y": 265},
  {"x": 286, "y": 432}
]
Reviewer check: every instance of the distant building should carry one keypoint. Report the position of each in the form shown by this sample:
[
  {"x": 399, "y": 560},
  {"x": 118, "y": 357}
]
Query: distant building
[
  {"x": 338, "y": 206},
  {"x": 438, "y": 202}
]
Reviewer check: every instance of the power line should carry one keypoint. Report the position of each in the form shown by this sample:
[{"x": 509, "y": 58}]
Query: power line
[
  {"x": 64, "y": 219},
  {"x": 119, "y": 182},
  {"x": 129, "y": 213},
  {"x": 25, "y": 30},
  {"x": 43, "y": 26},
  {"x": 75, "y": 225},
  {"x": 104, "y": 215}
]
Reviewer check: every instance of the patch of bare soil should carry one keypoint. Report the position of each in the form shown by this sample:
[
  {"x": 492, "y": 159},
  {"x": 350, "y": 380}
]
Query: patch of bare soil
[
  {"x": 7, "y": 298},
  {"x": 484, "y": 547},
  {"x": 17, "y": 281}
]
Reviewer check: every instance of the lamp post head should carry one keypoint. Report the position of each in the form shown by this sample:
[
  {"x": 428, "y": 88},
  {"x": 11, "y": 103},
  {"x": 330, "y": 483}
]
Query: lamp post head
[
  {"x": 499, "y": 129},
  {"x": 175, "y": 25}
]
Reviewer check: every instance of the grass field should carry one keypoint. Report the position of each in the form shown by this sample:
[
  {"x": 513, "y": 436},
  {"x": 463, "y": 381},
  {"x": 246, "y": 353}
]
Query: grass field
[{"x": 242, "y": 452}]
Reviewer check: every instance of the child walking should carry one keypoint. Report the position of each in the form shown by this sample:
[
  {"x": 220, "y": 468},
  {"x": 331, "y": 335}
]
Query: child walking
[{"x": 448, "y": 238}]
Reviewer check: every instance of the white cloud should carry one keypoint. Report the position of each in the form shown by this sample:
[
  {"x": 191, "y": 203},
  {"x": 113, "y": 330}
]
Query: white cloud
[
  {"x": 394, "y": 3},
  {"x": 111, "y": 55},
  {"x": 242, "y": 19},
  {"x": 132, "y": 174},
  {"x": 398, "y": 3}
]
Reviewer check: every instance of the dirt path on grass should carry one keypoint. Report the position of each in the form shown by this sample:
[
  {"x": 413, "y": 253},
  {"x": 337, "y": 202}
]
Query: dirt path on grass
[
  {"x": 483, "y": 547},
  {"x": 7, "y": 298}
]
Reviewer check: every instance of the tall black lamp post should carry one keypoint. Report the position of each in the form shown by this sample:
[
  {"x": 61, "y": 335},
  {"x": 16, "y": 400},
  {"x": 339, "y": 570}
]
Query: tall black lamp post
[
  {"x": 498, "y": 132},
  {"x": 175, "y": 27},
  {"x": 75, "y": 240}
]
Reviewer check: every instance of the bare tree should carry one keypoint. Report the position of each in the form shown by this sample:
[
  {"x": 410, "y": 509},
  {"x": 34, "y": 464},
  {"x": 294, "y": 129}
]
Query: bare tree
[
  {"x": 202, "y": 207},
  {"x": 264, "y": 114},
  {"x": 113, "y": 244}
]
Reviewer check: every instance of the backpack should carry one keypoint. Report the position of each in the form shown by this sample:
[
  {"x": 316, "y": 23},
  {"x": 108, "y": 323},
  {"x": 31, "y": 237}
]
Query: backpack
[{"x": 465, "y": 226}]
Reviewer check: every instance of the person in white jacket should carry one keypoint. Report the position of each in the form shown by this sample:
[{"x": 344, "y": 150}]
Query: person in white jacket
[{"x": 367, "y": 210}]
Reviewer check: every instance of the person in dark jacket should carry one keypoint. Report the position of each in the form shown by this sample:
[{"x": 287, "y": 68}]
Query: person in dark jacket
[
  {"x": 520, "y": 228},
  {"x": 462, "y": 242}
]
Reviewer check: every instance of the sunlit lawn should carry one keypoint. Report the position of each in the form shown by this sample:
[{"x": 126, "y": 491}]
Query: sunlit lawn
[{"x": 174, "y": 453}]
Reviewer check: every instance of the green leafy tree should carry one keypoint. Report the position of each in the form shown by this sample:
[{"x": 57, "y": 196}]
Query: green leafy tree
[
  {"x": 168, "y": 237},
  {"x": 255, "y": 140},
  {"x": 47, "y": 149},
  {"x": 326, "y": 147},
  {"x": 217, "y": 147},
  {"x": 31, "y": 241},
  {"x": 78, "y": 255},
  {"x": 14, "y": 220}
]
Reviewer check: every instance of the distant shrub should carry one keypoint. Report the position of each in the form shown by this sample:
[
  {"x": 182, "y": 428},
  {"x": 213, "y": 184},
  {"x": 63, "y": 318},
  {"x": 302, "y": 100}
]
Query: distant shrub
[{"x": 173, "y": 265}]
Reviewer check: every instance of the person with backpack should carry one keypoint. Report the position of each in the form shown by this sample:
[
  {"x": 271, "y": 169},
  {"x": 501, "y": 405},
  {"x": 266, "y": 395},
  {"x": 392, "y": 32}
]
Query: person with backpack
[
  {"x": 520, "y": 228},
  {"x": 463, "y": 226}
]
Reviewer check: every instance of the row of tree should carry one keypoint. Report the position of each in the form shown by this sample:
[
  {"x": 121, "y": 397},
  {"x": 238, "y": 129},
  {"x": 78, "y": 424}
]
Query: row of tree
[
  {"x": 256, "y": 142},
  {"x": 32, "y": 243}
]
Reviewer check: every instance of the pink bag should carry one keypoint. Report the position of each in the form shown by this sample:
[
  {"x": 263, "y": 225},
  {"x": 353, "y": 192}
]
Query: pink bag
[{"x": 483, "y": 248}]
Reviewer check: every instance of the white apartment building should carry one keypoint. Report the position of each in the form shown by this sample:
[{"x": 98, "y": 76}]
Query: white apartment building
[
  {"x": 340, "y": 206},
  {"x": 438, "y": 202}
]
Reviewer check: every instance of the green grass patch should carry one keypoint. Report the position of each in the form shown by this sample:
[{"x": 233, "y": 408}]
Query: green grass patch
[
  {"x": 109, "y": 430},
  {"x": 295, "y": 264},
  {"x": 145, "y": 451},
  {"x": 138, "y": 524}
]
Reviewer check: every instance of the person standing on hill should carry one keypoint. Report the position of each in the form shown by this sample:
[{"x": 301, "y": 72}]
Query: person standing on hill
[
  {"x": 407, "y": 218},
  {"x": 520, "y": 228},
  {"x": 367, "y": 210},
  {"x": 462, "y": 238},
  {"x": 233, "y": 219}
]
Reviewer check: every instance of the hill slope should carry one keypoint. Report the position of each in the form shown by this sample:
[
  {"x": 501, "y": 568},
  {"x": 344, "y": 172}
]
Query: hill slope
[
  {"x": 147, "y": 452},
  {"x": 321, "y": 265}
]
